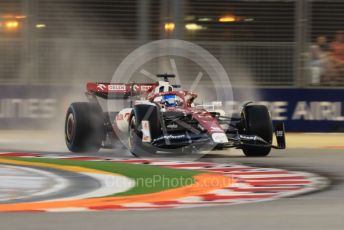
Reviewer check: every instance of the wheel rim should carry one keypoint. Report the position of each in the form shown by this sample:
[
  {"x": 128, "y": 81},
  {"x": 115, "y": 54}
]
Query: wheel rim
[{"x": 70, "y": 127}]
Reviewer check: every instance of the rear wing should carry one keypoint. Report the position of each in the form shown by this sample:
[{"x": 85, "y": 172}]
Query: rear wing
[{"x": 119, "y": 90}]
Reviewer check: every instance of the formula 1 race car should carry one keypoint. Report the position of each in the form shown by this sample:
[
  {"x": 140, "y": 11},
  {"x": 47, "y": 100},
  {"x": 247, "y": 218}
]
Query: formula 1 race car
[{"x": 161, "y": 118}]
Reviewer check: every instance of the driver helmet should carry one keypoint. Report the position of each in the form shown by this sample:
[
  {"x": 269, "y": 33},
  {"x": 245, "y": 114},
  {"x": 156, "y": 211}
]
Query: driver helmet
[{"x": 170, "y": 100}]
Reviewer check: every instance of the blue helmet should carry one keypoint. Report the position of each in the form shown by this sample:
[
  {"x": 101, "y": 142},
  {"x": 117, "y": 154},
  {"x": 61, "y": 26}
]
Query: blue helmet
[{"x": 170, "y": 100}]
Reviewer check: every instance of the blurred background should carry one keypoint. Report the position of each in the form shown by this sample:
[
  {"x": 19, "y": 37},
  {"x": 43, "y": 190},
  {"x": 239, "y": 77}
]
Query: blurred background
[{"x": 287, "y": 54}]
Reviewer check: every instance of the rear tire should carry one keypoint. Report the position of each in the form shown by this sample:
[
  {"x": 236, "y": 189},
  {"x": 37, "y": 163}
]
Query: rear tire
[
  {"x": 257, "y": 121},
  {"x": 84, "y": 127}
]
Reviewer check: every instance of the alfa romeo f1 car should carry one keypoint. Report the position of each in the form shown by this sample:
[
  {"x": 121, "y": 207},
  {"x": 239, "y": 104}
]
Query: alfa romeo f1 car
[{"x": 162, "y": 117}]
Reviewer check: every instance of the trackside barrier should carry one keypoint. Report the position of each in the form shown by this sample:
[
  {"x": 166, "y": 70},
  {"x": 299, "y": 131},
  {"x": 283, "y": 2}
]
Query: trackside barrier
[{"x": 302, "y": 110}]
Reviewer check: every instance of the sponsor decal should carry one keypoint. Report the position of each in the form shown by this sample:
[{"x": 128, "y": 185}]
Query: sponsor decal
[
  {"x": 101, "y": 87},
  {"x": 141, "y": 88},
  {"x": 219, "y": 138},
  {"x": 246, "y": 137},
  {"x": 121, "y": 116},
  {"x": 318, "y": 110},
  {"x": 279, "y": 133},
  {"x": 251, "y": 138},
  {"x": 172, "y": 126},
  {"x": 145, "y": 88},
  {"x": 136, "y": 88},
  {"x": 33, "y": 108},
  {"x": 171, "y": 137},
  {"x": 302, "y": 110},
  {"x": 117, "y": 88},
  {"x": 146, "y": 135},
  {"x": 215, "y": 129}
]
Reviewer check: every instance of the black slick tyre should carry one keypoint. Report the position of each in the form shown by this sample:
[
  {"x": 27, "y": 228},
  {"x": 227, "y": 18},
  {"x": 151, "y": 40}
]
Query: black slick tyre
[
  {"x": 84, "y": 127},
  {"x": 257, "y": 121}
]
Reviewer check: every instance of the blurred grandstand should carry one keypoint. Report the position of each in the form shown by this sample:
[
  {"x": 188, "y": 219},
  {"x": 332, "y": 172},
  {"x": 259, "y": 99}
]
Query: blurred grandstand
[
  {"x": 265, "y": 43},
  {"x": 289, "y": 54}
]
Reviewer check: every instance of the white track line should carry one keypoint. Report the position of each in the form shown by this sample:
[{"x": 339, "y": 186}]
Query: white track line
[
  {"x": 109, "y": 185},
  {"x": 57, "y": 183}
]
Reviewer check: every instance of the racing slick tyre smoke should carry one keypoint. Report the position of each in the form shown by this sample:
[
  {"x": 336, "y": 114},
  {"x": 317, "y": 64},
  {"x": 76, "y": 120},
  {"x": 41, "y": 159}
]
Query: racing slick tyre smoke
[
  {"x": 143, "y": 112},
  {"x": 84, "y": 127},
  {"x": 257, "y": 121}
]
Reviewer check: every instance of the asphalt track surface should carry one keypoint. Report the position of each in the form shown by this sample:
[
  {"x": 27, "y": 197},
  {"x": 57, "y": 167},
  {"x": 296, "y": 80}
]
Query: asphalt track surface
[{"x": 320, "y": 210}]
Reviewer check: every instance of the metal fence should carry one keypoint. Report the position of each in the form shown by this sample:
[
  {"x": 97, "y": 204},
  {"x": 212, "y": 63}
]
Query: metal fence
[{"x": 260, "y": 42}]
